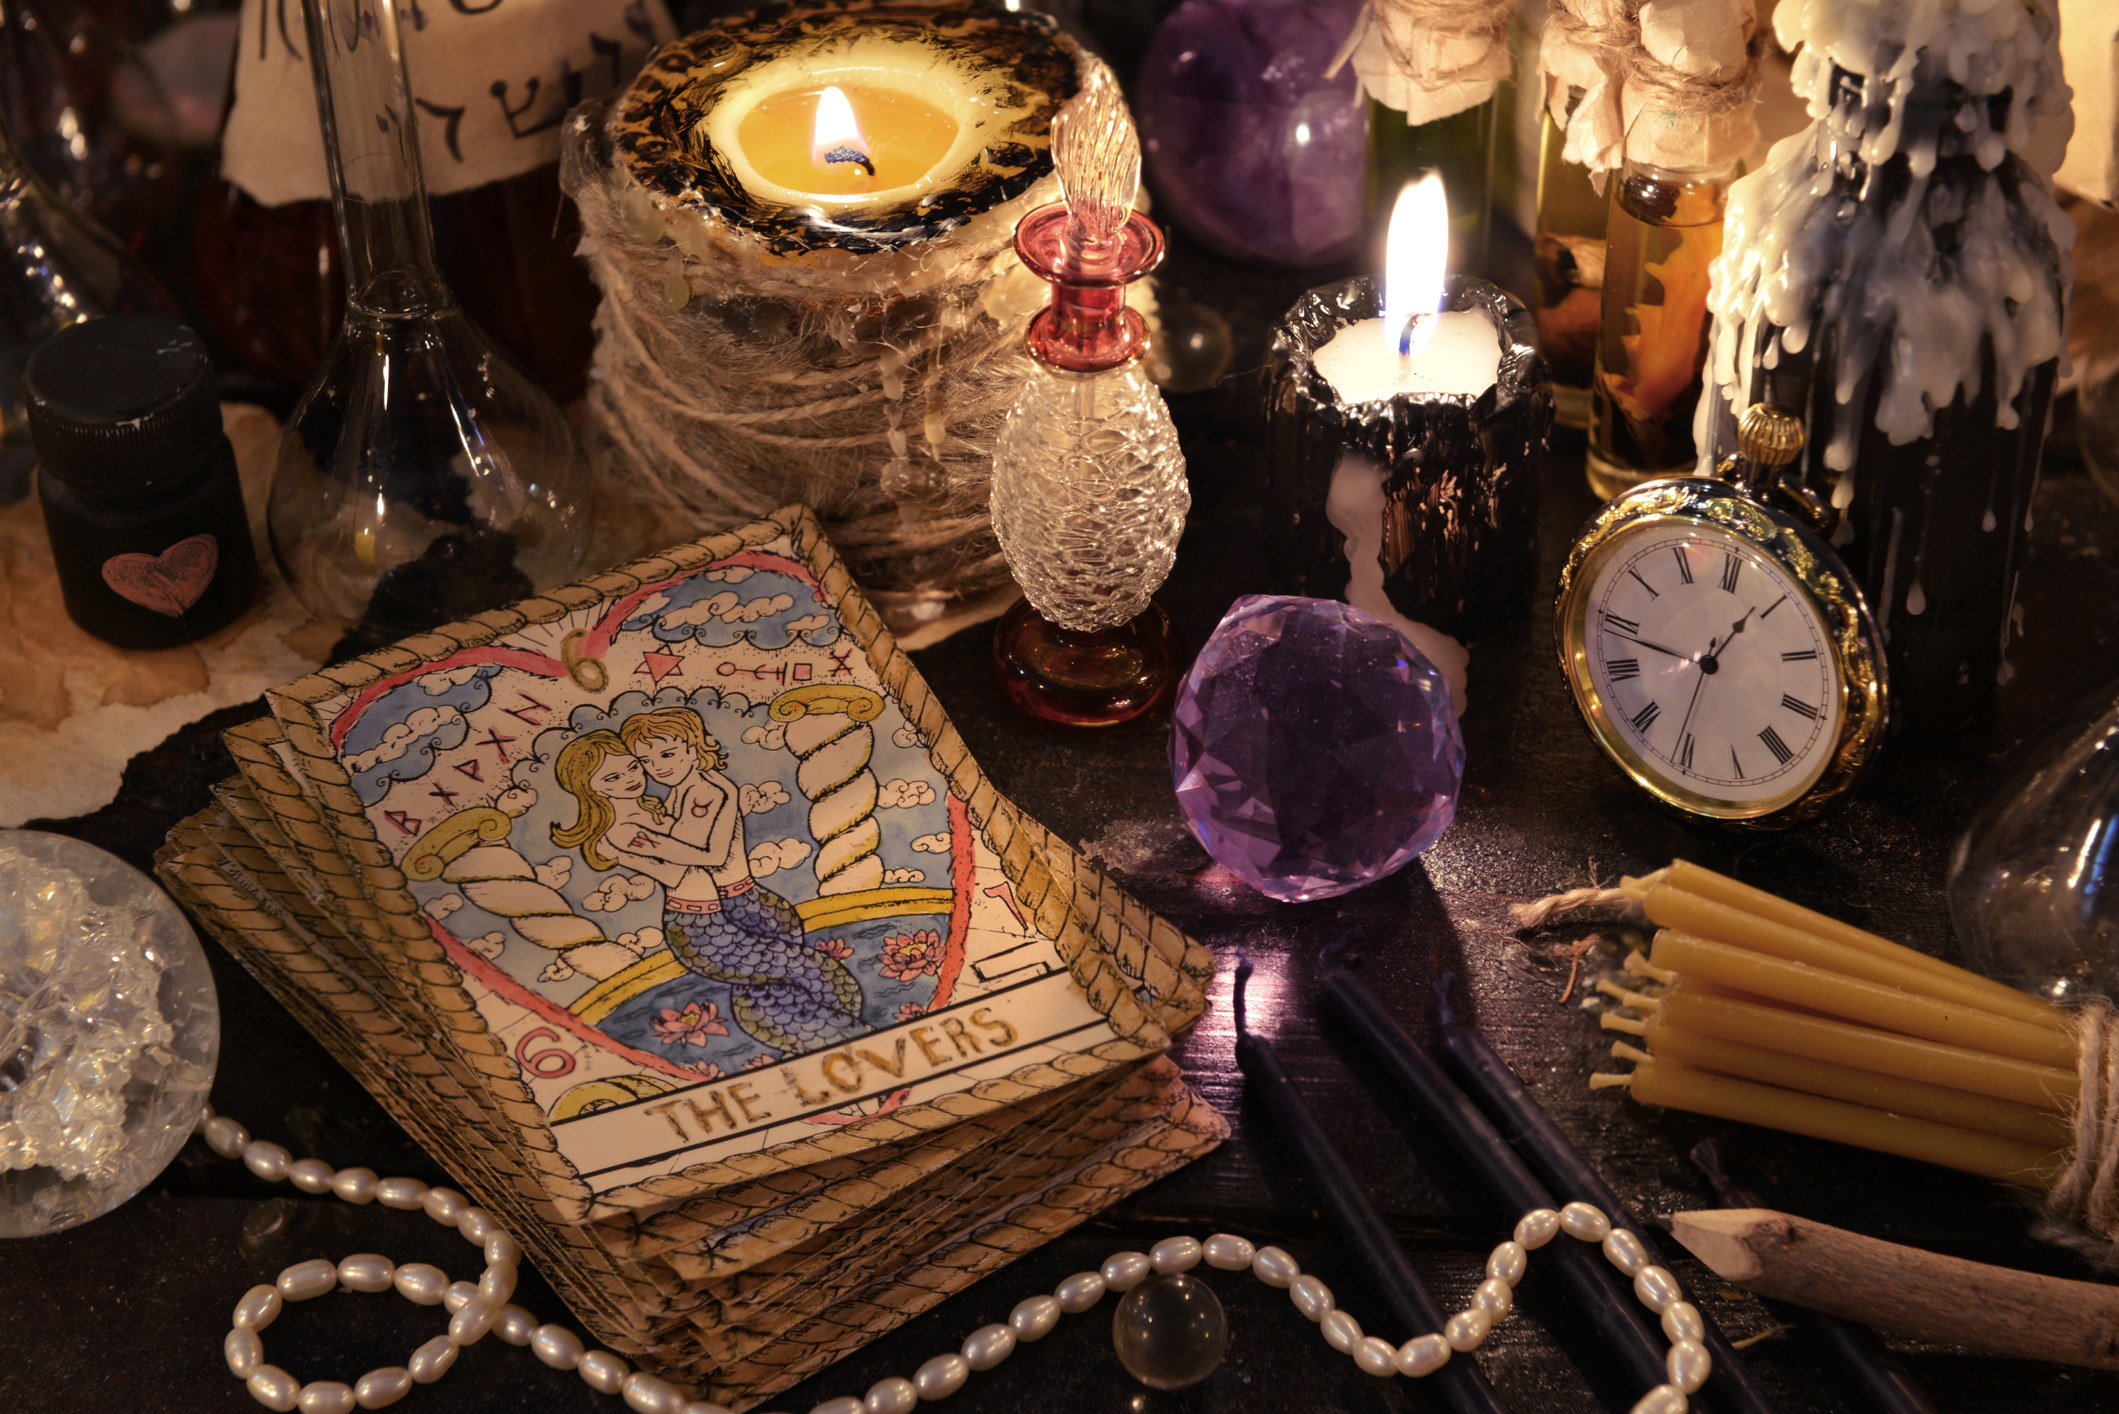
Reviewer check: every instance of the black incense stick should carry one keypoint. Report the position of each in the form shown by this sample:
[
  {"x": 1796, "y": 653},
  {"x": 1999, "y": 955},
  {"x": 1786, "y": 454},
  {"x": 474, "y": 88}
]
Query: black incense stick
[
  {"x": 1524, "y": 1123},
  {"x": 1462, "y": 1382}
]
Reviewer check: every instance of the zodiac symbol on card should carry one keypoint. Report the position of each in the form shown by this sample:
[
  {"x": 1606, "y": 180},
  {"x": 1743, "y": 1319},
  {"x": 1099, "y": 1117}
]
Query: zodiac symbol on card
[{"x": 761, "y": 672}]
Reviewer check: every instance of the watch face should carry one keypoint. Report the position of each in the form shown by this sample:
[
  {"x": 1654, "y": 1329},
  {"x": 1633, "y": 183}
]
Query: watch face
[{"x": 1705, "y": 667}]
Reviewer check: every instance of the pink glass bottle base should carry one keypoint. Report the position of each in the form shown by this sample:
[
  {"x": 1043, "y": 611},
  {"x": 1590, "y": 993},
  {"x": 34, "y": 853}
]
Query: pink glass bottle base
[{"x": 1094, "y": 679}]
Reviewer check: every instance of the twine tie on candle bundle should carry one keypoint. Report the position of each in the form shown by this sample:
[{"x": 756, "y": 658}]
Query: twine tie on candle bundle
[
  {"x": 1538, "y": 912},
  {"x": 2087, "y": 1192}
]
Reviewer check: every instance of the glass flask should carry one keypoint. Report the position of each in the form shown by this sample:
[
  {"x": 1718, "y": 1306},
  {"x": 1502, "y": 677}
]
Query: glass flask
[
  {"x": 2034, "y": 880},
  {"x": 1665, "y": 230},
  {"x": 1461, "y": 148},
  {"x": 423, "y": 476},
  {"x": 1568, "y": 273},
  {"x": 61, "y": 268},
  {"x": 1089, "y": 493}
]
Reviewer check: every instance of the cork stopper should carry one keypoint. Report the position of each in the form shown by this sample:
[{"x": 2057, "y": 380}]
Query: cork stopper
[{"x": 1769, "y": 435}]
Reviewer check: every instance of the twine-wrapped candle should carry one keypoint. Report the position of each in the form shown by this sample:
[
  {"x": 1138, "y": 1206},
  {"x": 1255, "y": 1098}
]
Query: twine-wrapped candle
[{"x": 799, "y": 308}]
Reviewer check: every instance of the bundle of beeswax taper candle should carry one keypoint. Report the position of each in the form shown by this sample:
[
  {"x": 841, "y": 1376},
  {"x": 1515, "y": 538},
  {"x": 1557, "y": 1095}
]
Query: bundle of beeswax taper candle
[{"x": 1756, "y": 1009}]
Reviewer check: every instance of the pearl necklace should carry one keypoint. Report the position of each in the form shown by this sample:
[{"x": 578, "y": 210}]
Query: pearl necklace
[{"x": 479, "y": 1308}]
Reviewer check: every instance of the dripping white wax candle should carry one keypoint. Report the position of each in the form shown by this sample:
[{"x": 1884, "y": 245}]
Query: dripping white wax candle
[{"x": 1414, "y": 351}]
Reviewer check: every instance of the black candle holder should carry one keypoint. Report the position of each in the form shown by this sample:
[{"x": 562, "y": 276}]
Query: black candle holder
[{"x": 1460, "y": 511}]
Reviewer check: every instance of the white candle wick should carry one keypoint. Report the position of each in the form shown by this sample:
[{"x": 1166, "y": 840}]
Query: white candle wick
[{"x": 837, "y": 135}]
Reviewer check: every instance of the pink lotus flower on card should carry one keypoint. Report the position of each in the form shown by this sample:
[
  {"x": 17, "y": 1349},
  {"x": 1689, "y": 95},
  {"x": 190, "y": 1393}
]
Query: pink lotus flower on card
[
  {"x": 910, "y": 1010},
  {"x": 911, "y": 955},
  {"x": 691, "y": 1026},
  {"x": 705, "y": 1070},
  {"x": 756, "y": 1062},
  {"x": 837, "y": 947}
]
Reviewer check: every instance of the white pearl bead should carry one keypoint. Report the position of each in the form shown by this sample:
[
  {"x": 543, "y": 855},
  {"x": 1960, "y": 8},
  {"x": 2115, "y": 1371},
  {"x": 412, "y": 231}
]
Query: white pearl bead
[
  {"x": 306, "y": 1280},
  {"x": 421, "y": 1284},
  {"x": 476, "y": 1225},
  {"x": 379, "y": 1389},
  {"x": 1624, "y": 1251},
  {"x": 432, "y": 1360},
  {"x": 1176, "y": 1254},
  {"x": 845, "y": 1404},
  {"x": 404, "y": 1193},
  {"x": 326, "y": 1397},
  {"x": 1341, "y": 1330},
  {"x": 267, "y": 1160},
  {"x": 1034, "y": 1319},
  {"x": 1508, "y": 1262},
  {"x": 367, "y": 1271},
  {"x": 1275, "y": 1267},
  {"x": 1663, "y": 1399},
  {"x": 1494, "y": 1297},
  {"x": 444, "y": 1205},
  {"x": 1226, "y": 1252},
  {"x": 225, "y": 1137},
  {"x": 459, "y": 1294},
  {"x": 602, "y": 1371},
  {"x": 1538, "y": 1227},
  {"x": 1311, "y": 1297},
  {"x": 1682, "y": 1321},
  {"x": 502, "y": 1248},
  {"x": 1689, "y": 1365},
  {"x": 1079, "y": 1292},
  {"x": 556, "y": 1346},
  {"x": 497, "y": 1282},
  {"x": 1657, "y": 1288},
  {"x": 274, "y": 1388},
  {"x": 1375, "y": 1356},
  {"x": 469, "y": 1326},
  {"x": 259, "y": 1308},
  {"x": 356, "y": 1186},
  {"x": 988, "y": 1346},
  {"x": 310, "y": 1175},
  {"x": 1466, "y": 1330},
  {"x": 1422, "y": 1355},
  {"x": 895, "y": 1395},
  {"x": 1585, "y": 1222},
  {"x": 651, "y": 1394},
  {"x": 1125, "y": 1270},
  {"x": 942, "y": 1376},
  {"x": 243, "y": 1351},
  {"x": 515, "y": 1325}
]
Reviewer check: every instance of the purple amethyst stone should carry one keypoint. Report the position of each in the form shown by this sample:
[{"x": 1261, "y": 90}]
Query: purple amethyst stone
[
  {"x": 1315, "y": 749},
  {"x": 1249, "y": 147}
]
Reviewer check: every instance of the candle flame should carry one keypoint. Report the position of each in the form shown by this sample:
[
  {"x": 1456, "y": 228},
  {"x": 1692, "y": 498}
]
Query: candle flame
[
  {"x": 1415, "y": 256},
  {"x": 837, "y": 136}
]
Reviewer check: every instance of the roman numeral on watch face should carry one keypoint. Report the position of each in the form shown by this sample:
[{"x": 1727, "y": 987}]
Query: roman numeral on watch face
[
  {"x": 1774, "y": 744},
  {"x": 1802, "y": 709},
  {"x": 1731, "y": 568},
  {"x": 1645, "y": 718},
  {"x": 1623, "y": 669}
]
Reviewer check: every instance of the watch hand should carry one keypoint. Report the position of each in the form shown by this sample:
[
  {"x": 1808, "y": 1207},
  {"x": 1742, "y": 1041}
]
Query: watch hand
[
  {"x": 1686, "y": 657},
  {"x": 1697, "y": 688},
  {"x": 1738, "y": 627}
]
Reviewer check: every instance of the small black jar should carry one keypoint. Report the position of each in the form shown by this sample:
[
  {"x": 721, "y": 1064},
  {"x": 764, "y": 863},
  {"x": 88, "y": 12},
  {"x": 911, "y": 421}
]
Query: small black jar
[{"x": 138, "y": 482}]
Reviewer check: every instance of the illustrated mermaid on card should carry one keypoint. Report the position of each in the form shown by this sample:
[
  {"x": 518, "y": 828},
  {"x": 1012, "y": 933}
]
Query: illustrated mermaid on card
[{"x": 718, "y": 921}]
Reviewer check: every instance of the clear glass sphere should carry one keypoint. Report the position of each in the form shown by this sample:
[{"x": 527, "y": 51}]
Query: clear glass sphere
[
  {"x": 1170, "y": 1331},
  {"x": 109, "y": 1031}
]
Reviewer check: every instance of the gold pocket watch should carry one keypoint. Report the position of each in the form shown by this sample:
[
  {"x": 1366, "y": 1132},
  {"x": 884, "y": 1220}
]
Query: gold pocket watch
[{"x": 1718, "y": 649}]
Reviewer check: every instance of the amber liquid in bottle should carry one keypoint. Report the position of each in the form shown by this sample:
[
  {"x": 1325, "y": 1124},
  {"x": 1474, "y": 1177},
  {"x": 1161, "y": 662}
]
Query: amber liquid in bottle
[
  {"x": 1568, "y": 274},
  {"x": 1665, "y": 231}
]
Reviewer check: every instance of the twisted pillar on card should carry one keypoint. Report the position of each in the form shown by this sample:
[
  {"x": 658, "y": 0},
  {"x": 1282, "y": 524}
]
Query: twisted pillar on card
[{"x": 828, "y": 731}]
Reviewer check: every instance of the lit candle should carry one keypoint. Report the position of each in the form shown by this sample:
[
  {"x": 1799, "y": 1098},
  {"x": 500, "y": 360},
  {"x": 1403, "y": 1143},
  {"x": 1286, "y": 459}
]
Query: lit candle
[
  {"x": 1405, "y": 423},
  {"x": 1853, "y": 999},
  {"x": 1680, "y": 1087}
]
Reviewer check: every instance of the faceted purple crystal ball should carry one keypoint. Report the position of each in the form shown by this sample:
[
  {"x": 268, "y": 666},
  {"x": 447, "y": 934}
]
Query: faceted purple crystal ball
[
  {"x": 1248, "y": 146},
  {"x": 1315, "y": 749}
]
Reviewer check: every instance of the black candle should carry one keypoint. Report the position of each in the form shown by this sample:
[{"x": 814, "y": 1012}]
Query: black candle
[
  {"x": 1462, "y": 1382},
  {"x": 1591, "y": 1282},
  {"x": 1856, "y": 1347},
  {"x": 1489, "y": 1081}
]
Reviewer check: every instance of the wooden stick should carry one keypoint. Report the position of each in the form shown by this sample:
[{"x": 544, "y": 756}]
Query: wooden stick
[{"x": 1906, "y": 1289}]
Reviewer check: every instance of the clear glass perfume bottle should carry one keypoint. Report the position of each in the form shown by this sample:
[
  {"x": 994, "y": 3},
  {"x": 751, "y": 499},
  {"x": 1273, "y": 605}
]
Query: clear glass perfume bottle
[
  {"x": 423, "y": 475},
  {"x": 60, "y": 268},
  {"x": 1089, "y": 493}
]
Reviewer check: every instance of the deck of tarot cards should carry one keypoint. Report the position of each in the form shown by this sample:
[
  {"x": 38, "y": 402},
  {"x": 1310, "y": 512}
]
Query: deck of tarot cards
[{"x": 670, "y": 914}]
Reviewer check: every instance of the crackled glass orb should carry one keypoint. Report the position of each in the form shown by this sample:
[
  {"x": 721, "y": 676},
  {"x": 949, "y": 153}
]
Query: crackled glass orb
[
  {"x": 1315, "y": 749},
  {"x": 109, "y": 1030},
  {"x": 1170, "y": 1331},
  {"x": 1089, "y": 494}
]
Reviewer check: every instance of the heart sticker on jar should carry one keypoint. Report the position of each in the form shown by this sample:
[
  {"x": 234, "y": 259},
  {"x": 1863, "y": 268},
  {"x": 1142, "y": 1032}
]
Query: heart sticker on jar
[{"x": 168, "y": 583}]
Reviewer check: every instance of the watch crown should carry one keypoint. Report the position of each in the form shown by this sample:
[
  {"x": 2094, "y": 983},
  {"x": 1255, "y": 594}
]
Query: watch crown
[{"x": 1769, "y": 434}]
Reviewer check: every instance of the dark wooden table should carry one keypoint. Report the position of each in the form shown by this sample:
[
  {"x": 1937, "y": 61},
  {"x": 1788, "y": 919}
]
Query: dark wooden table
[{"x": 127, "y": 1313}]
